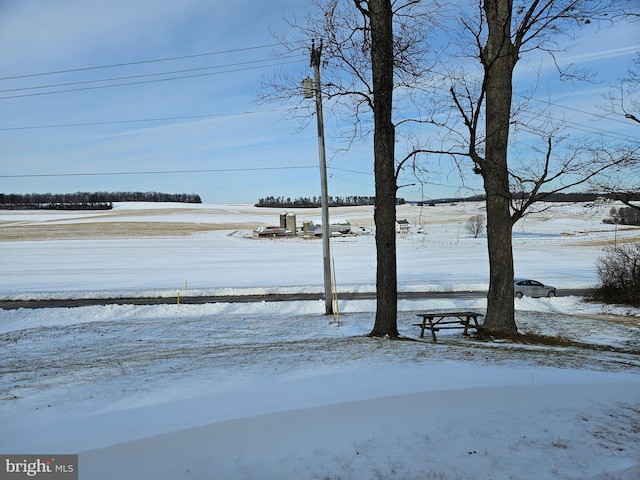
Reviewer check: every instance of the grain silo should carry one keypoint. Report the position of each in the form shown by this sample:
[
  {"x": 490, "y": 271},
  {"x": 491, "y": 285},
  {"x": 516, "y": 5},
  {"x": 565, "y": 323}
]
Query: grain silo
[{"x": 291, "y": 222}]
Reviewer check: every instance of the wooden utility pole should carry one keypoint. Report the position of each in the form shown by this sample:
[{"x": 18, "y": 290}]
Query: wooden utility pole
[{"x": 326, "y": 227}]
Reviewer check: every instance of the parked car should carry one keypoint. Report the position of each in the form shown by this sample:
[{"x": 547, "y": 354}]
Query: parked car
[{"x": 533, "y": 288}]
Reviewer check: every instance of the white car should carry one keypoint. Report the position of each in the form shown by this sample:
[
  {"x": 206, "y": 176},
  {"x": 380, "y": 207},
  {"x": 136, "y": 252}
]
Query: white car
[{"x": 533, "y": 288}]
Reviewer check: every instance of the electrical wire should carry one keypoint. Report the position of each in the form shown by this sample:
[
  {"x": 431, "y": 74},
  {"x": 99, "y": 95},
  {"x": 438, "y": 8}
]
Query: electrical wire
[
  {"x": 141, "y": 62},
  {"x": 156, "y": 172},
  {"x": 129, "y": 77},
  {"x": 145, "y": 81},
  {"x": 575, "y": 125},
  {"x": 143, "y": 120}
]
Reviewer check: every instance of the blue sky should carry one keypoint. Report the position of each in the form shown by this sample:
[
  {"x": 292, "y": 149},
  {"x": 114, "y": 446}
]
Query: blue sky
[{"x": 213, "y": 139}]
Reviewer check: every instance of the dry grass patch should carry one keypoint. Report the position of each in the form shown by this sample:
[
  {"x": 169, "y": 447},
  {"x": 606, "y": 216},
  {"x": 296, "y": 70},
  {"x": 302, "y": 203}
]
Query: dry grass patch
[
  {"x": 605, "y": 242},
  {"x": 97, "y": 230}
]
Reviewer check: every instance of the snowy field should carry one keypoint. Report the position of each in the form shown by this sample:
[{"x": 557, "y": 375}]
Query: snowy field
[{"x": 279, "y": 390}]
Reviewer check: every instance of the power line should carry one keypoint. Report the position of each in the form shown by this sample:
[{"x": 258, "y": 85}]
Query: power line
[
  {"x": 113, "y": 79},
  {"x": 156, "y": 172},
  {"x": 587, "y": 128},
  {"x": 142, "y": 120},
  {"x": 349, "y": 180},
  {"x": 600, "y": 116},
  {"x": 145, "y": 81},
  {"x": 141, "y": 62},
  {"x": 576, "y": 126}
]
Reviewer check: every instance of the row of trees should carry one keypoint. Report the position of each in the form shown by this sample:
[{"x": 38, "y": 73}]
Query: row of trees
[
  {"x": 383, "y": 60},
  {"x": 624, "y": 216},
  {"x": 87, "y": 200},
  {"x": 559, "y": 197},
  {"x": 313, "y": 202}
]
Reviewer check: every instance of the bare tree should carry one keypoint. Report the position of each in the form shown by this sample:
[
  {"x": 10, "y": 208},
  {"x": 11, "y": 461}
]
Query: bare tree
[
  {"x": 374, "y": 54},
  {"x": 378, "y": 17},
  {"x": 502, "y": 32},
  {"x": 475, "y": 225}
]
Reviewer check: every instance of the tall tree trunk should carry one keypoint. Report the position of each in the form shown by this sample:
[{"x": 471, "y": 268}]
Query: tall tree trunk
[
  {"x": 499, "y": 58},
  {"x": 381, "y": 18}
]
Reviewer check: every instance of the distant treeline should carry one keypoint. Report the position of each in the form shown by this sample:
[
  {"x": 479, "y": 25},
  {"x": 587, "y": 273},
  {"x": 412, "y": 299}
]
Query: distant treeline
[
  {"x": 86, "y": 200},
  {"x": 302, "y": 202},
  {"x": 311, "y": 202},
  {"x": 587, "y": 197},
  {"x": 548, "y": 197}
]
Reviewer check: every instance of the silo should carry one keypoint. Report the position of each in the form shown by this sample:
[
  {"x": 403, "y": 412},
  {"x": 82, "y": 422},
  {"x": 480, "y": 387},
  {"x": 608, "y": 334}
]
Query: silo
[
  {"x": 283, "y": 220},
  {"x": 291, "y": 222}
]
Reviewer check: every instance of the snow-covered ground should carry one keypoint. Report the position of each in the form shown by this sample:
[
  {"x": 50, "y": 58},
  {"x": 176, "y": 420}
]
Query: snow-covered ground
[{"x": 279, "y": 390}]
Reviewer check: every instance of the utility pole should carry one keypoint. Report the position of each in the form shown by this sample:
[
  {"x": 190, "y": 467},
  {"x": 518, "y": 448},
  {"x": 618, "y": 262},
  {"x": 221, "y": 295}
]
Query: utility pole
[{"x": 310, "y": 87}]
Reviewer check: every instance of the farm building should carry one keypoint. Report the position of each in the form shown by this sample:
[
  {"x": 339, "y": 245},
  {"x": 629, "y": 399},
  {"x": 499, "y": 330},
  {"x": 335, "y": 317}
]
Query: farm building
[
  {"x": 310, "y": 229},
  {"x": 402, "y": 226},
  {"x": 287, "y": 227}
]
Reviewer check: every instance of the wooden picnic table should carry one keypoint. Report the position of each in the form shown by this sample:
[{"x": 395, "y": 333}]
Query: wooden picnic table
[{"x": 436, "y": 321}]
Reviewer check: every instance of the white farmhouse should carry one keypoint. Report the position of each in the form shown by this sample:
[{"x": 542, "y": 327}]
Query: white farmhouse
[{"x": 402, "y": 226}]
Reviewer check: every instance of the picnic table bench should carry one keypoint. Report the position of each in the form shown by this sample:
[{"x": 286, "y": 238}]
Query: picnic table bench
[{"x": 436, "y": 321}]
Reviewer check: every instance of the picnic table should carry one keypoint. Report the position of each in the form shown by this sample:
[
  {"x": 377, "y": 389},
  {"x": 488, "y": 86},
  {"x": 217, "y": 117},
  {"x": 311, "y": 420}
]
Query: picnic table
[{"x": 436, "y": 321}]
